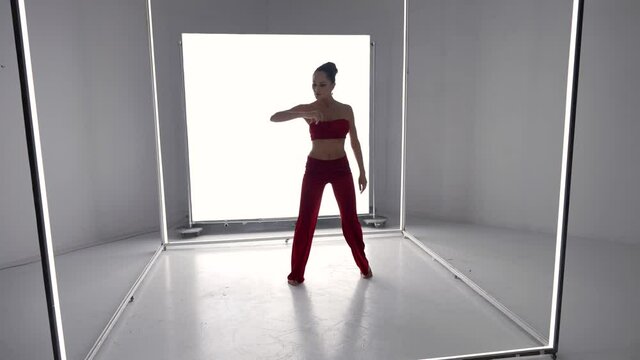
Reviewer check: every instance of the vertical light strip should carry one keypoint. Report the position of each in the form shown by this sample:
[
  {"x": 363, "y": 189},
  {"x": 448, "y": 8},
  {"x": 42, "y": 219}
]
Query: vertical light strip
[
  {"x": 372, "y": 126},
  {"x": 48, "y": 244},
  {"x": 565, "y": 180},
  {"x": 161, "y": 198},
  {"x": 404, "y": 122}
]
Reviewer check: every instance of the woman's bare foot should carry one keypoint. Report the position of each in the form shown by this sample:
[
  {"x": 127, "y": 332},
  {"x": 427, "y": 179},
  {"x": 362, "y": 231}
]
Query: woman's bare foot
[
  {"x": 293, "y": 282},
  {"x": 368, "y": 275}
]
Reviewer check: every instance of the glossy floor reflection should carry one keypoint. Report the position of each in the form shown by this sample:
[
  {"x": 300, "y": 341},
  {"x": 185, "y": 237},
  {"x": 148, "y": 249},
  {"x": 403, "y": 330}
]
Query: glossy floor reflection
[
  {"x": 232, "y": 302},
  {"x": 92, "y": 282},
  {"x": 24, "y": 322},
  {"x": 483, "y": 253}
]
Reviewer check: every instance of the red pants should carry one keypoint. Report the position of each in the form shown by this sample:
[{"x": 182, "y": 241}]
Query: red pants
[{"x": 318, "y": 173}]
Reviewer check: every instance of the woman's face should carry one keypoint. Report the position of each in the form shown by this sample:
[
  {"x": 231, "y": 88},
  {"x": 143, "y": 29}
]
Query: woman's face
[{"x": 321, "y": 86}]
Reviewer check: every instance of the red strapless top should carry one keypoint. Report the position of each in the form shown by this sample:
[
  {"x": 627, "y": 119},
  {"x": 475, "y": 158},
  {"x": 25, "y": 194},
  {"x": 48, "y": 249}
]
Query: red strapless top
[{"x": 333, "y": 129}]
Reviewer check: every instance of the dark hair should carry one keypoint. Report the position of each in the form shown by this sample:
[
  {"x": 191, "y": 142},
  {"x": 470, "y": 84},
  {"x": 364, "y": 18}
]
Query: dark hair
[{"x": 330, "y": 70}]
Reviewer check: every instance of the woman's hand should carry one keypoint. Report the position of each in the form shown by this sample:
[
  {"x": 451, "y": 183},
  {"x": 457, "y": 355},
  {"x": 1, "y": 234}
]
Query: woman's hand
[
  {"x": 314, "y": 116},
  {"x": 362, "y": 182}
]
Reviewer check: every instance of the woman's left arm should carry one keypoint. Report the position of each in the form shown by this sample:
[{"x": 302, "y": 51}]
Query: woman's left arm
[{"x": 357, "y": 150}]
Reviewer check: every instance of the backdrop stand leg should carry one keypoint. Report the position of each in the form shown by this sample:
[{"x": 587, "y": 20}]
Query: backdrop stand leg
[
  {"x": 376, "y": 221},
  {"x": 189, "y": 232}
]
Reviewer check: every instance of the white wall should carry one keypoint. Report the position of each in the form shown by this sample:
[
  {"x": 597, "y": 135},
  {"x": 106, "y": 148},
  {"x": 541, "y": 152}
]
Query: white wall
[
  {"x": 486, "y": 109},
  {"x": 92, "y": 83},
  {"x": 72, "y": 68},
  {"x": 94, "y": 101},
  {"x": 486, "y": 98},
  {"x": 381, "y": 19},
  {"x": 170, "y": 20},
  {"x": 605, "y": 197},
  {"x": 18, "y": 234},
  {"x": 117, "y": 105}
]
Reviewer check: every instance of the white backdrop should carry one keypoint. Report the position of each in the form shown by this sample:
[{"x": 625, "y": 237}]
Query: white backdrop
[{"x": 242, "y": 165}]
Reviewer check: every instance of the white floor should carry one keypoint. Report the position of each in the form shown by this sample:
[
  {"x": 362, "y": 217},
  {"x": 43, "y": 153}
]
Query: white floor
[
  {"x": 185, "y": 306},
  {"x": 600, "y": 308},
  {"x": 233, "y": 302}
]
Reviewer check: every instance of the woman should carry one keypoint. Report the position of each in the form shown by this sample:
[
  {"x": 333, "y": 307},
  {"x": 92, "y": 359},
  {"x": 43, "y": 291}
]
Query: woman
[{"x": 329, "y": 122}]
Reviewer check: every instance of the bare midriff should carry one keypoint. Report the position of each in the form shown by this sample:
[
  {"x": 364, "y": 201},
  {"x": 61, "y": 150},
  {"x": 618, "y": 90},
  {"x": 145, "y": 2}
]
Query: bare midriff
[{"x": 327, "y": 149}]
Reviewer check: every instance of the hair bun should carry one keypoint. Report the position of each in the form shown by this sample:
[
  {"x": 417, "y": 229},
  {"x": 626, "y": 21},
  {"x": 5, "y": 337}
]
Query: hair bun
[
  {"x": 330, "y": 69},
  {"x": 332, "y": 66}
]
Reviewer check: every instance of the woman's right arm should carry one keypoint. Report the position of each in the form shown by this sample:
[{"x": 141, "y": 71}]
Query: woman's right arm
[{"x": 300, "y": 111}]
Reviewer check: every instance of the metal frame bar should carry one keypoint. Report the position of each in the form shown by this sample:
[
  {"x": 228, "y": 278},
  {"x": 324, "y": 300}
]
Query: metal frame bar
[
  {"x": 567, "y": 164},
  {"x": 500, "y": 354},
  {"x": 156, "y": 122},
  {"x": 272, "y": 238},
  {"x": 403, "y": 155},
  {"x": 269, "y": 220},
  {"x": 34, "y": 148},
  {"x": 128, "y": 298},
  {"x": 372, "y": 122}
]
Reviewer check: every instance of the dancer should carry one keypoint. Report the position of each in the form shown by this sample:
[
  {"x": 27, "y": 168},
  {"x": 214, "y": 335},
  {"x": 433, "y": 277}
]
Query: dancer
[{"x": 329, "y": 123}]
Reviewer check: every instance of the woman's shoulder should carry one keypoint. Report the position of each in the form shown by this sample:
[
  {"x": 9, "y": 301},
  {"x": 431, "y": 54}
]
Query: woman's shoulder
[
  {"x": 346, "y": 110},
  {"x": 343, "y": 108},
  {"x": 343, "y": 105}
]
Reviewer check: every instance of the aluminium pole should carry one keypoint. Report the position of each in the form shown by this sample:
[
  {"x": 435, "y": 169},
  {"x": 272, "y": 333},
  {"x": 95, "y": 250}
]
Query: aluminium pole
[
  {"x": 34, "y": 149},
  {"x": 567, "y": 162}
]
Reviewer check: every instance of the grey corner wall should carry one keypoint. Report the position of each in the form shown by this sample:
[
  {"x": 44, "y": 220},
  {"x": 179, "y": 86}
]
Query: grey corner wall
[
  {"x": 381, "y": 19},
  {"x": 605, "y": 197},
  {"x": 484, "y": 135},
  {"x": 486, "y": 110},
  {"x": 92, "y": 85},
  {"x": 18, "y": 236}
]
